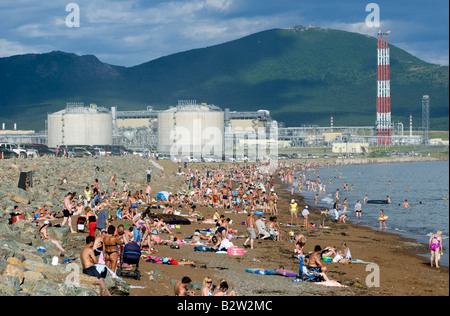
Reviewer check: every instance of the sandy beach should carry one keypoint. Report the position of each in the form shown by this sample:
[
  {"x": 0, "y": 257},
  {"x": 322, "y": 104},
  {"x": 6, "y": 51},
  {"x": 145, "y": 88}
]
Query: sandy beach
[{"x": 398, "y": 266}]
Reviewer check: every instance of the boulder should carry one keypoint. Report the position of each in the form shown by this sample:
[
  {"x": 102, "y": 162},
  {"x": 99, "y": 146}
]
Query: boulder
[
  {"x": 61, "y": 234},
  {"x": 20, "y": 196},
  {"x": 14, "y": 271},
  {"x": 9, "y": 285}
]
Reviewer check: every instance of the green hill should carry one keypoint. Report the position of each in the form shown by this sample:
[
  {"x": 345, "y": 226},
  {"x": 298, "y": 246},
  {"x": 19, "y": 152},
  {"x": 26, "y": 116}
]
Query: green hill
[{"x": 302, "y": 75}]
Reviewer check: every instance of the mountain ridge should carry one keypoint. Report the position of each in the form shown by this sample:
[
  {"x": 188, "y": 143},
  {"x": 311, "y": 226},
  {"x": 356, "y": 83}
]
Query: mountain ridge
[{"x": 302, "y": 75}]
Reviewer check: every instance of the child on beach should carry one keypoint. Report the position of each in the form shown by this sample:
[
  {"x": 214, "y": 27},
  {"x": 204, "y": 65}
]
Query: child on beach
[
  {"x": 382, "y": 220},
  {"x": 305, "y": 214}
]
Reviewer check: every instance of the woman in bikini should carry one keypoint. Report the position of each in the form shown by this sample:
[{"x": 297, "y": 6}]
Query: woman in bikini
[
  {"x": 110, "y": 250},
  {"x": 435, "y": 243},
  {"x": 207, "y": 287},
  {"x": 44, "y": 236}
]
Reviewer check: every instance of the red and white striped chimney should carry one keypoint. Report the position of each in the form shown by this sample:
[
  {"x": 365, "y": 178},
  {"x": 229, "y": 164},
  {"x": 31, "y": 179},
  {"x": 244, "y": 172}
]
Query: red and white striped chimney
[
  {"x": 410, "y": 125},
  {"x": 384, "y": 129}
]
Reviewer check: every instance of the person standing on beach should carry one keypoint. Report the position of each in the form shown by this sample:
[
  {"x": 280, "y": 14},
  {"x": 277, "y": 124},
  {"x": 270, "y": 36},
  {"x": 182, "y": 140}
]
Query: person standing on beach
[
  {"x": 305, "y": 214},
  {"x": 336, "y": 195},
  {"x": 148, "y": 192},
  {"x": 102, "y": 218},
  {"x": 110, "y": 248},
  {"x": 67, "y": 212},
  {"x": 358, "y": 208},
  {"x": 382, "y": 220},
  {"x": 294, "y": 209},
  {"x": 436, "y": 248},
  {"x": 149, "y": 175},
  {"x": 251, "y": 230}
]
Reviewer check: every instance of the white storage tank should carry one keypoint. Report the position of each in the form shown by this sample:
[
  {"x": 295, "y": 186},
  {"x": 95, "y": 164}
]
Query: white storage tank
[
  {"x": 191, "y": 130},
  {"x": 79, "y": 125}
]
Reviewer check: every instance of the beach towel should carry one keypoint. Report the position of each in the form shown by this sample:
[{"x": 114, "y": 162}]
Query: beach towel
[
  {"x": 361, "y": 261},
  {"x": 331, "y": 283},
  {"x": 101, "y": 268},
  {"x": 172, "y": 219}
]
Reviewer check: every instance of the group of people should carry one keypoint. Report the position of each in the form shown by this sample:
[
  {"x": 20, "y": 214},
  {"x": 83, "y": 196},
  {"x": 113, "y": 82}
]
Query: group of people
[
  {"x": 214, "y": 188},
  {"x": 208, "y": 288},
  {"x": 246, "y": 187}
]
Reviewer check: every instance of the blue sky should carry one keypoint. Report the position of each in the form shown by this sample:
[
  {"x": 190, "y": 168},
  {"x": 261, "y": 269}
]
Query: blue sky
[{"x": 131, "y": 32}]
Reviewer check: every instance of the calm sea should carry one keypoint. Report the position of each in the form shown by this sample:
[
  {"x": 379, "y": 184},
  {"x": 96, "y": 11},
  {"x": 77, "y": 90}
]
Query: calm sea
[{"x": 428, "y": 184}]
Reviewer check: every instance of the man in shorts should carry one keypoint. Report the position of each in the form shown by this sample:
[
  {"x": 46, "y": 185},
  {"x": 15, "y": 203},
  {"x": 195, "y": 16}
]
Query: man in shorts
[
  {"x": 358, "y": 208},
  {"x": 67, "y": 212},
  {"x": 251, "y": 230},
  {"x": 88, "y": 260}
]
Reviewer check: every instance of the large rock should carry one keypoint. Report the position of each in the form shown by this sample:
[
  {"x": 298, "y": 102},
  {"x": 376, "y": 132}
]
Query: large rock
[
  {"x": 9, "y": 285},
  {"x": 24, "y": 229},
  {"x": 14, "y": 271},
  {"x": 61, "y": 234},
  {"x": 19, "y": 196}
]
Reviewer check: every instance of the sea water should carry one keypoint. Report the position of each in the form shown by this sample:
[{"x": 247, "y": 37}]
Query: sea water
[{"x": 424, "y": 184}]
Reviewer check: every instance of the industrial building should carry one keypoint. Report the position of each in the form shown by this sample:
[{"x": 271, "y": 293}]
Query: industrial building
[
  {"x": 187, "y": 129},
  {"x": 80, "y": 125},
  {"x": 191, "y": 130}
]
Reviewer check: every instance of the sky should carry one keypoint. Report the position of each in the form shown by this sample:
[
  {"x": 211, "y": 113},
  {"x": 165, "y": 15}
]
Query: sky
[{"x": 131, "y": 32}]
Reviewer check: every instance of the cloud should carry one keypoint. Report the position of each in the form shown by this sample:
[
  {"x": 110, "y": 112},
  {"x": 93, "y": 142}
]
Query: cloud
[
  {"x": 8, "y": 48},
  {"x": 220, "y": 5},
  {"x": 120, "y": 29}
]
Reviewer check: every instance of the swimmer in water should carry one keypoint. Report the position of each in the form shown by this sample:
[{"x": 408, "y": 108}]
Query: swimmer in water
[
  {"x": 366, "y": 198},
  {"x": 406, "y": 204},
  {"x": 388, "y": 199}
]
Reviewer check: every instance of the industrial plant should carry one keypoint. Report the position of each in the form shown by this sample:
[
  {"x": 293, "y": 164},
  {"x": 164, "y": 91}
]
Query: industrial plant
[{"x": 204, "y": 130}]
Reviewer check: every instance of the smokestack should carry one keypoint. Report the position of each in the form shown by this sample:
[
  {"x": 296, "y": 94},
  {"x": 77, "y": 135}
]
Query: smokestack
[
  {"x": 410, "y": 125},
  {"x": 384, "y": 130}
]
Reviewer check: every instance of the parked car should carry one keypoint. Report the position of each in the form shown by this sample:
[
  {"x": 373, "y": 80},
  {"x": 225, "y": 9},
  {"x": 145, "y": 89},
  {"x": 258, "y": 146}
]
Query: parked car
[
  {"x": 78, "y": 152},
  {"x": 7, "y": 154},
  {"x": 110, "y": 150},
  {"x": 41, "y": 149},
  {"x": 211, "y": 158},
  {"x": 21, "y": 152}
]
